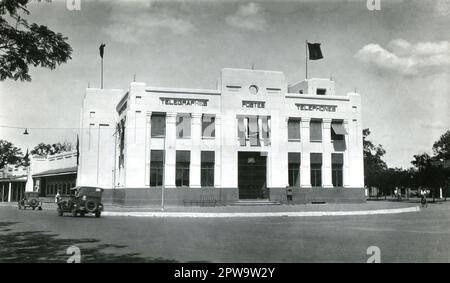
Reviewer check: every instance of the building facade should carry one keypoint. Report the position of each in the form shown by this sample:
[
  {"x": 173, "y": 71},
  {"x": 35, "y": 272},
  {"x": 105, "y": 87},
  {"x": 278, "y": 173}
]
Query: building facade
[
  {"x": 13, "y": 179},
  {"x": 54, "y": 173},
  {"x": 252, "y": 137}
]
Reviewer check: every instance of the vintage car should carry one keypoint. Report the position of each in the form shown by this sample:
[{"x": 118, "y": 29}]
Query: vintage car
[
  {"x": 30, "y": 199},
  {"x": 82, "y": 200}
]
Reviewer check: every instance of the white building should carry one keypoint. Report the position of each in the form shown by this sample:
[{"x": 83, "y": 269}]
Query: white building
[{"x": 250, "y": 138}]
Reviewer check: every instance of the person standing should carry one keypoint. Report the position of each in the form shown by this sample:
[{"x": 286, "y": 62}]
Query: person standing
[{"x": 58, "y": 196}]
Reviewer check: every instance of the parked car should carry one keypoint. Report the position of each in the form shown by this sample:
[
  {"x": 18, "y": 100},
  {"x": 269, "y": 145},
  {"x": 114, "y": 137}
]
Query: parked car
[
  {"x": 82, "y": 200},
  {"x": 30, "y": 199}
]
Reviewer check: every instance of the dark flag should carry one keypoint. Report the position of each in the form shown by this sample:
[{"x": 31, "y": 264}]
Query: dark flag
[
  {"x": 314, "y": 51},
  {"x": 102, "y": 49},
  {"x": 78, "y": 150},
  {"x": 26, "y": 159}
]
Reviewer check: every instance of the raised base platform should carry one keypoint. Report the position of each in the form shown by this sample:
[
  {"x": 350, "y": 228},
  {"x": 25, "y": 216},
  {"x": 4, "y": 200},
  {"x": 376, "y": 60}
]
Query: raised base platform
[
  {"x": 257, "y": 202},
  {"x": 228, "y": 196}
]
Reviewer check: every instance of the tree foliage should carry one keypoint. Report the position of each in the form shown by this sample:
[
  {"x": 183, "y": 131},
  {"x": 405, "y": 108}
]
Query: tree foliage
[
  {"x": 23, "y": 44},
  {"x": 374, "y": 166},
  {"x": 44, "y": 150},
  {"x": 441, "y": 148},
  {"x": 9, "y": 154}
]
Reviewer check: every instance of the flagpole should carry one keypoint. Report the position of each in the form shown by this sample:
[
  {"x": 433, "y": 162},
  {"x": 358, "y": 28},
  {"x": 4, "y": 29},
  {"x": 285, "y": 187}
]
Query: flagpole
[
  {"x": 306, "y": 58},
  {"x": 102, "y": 74}
]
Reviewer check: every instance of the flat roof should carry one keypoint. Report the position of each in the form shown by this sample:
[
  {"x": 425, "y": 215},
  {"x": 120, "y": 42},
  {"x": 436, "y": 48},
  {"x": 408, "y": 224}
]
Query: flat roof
[{"x": 57, "y": 172}]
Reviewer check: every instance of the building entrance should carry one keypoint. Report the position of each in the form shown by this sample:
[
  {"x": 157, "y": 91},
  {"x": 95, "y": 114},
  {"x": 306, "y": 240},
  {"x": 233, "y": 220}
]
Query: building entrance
[{"x": 252, "y": 175}]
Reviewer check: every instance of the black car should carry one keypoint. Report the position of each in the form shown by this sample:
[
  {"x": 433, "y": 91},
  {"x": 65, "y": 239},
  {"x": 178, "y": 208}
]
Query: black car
[
  {"x": 82, "y": 200},
  {"x": 30, "y": 199}
]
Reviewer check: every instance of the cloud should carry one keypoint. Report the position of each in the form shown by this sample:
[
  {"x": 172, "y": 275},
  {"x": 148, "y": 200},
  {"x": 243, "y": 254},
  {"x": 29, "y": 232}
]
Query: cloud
[
  {"x": 248, "y": 17},
  {"x": 408, "y": 59},
  {"x": 439, "y": 125},
  {"x": 130, "y": 24}
]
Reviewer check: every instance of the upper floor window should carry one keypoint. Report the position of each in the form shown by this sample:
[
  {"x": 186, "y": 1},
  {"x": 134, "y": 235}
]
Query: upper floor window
[
  {"x": 208, "y": 126},
  {"x": 183, "y": 126},
  {"x": 158, "y": 125},
  {"x": 293, "y": 129},
  {"x": 321, "y": 91},
  {"x": 338, "y": 131},
  {"x": 315, "y": 131}
]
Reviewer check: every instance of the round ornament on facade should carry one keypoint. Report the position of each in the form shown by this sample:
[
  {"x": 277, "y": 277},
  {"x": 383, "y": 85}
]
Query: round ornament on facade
[{"x": 253, "y": 89}]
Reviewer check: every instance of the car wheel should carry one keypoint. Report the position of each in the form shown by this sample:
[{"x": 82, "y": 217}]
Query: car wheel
[
  {"x": 91, "y": 206},
  {"x": 40, "y": 208},
  {"x": 97, "y": 214},
  {"x": 82, "y": 214},
  {"x": 34, "y": 207}
]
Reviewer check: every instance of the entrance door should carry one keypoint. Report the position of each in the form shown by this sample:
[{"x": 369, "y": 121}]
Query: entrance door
[{"x": 252, "y": 175}]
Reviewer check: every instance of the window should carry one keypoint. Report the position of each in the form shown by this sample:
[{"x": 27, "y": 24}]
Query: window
[
  {"x": 253, "y": 131},
  {"x": 294, "y": 169},
  {"x": 265, "y": 134},
  {"x": 158, "y": 125},
  {"x": 338, "y": 131},
  {"x": 207, "y": 169},
  {"x": 156, "y": 167},
  {"x": 316, "y": 169},
  {"x": 208, "y": 126},
  {"x": 321, "y": 91},
  {"x": 337, "y": 161},
  {"x": 241, "y": 131},
  {"x": 183, "y": 160},
  {"x": 315, "y": 131},
  {"x": 293, "y": 129},
  {"x": 183, "y": 126}
]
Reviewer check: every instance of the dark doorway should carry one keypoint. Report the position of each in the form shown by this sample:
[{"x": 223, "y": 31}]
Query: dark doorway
[{"x": 252, "y": 175}]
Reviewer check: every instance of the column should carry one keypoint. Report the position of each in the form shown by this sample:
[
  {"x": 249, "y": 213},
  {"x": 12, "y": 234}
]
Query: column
[
  {"x": 170, "y": 150},
  {"x": 218, "y": 152},
  {"x": 346, "y": 170},
  {"x": 196, "y": 137},
  {"x": 148, "y": 131},
  {"x": 327, "y": 148},
  {"x": 10, "y": 192},
  {"x": 305, "y": 166}
]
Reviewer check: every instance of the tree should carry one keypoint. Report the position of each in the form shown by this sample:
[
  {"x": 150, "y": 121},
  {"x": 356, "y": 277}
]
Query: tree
[
  {"x": 44, "y": 150},
  {"x": 374, "y": 166},
  {"x": 23, "y": 44},
  {"x": 9, "y": 154},
  {"x": 441, "y": 148},
  {"x": 430, "y": 176}
]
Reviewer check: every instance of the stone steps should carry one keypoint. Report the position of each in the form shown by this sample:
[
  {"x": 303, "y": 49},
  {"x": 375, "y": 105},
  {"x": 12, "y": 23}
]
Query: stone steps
[{"x": 257, "y": 202}]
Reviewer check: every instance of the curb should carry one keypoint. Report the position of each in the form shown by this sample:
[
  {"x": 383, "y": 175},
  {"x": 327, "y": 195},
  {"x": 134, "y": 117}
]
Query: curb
[{"x": 262, "y": 214}]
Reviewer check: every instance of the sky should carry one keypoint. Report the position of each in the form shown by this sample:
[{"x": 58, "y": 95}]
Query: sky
[{"x": 397, "y": 58}]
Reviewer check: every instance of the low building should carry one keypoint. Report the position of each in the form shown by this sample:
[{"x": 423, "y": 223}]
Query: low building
[
  {"x": 53, "y": 173},
  {"x": 252, "y": 137},
  {"x": 13, "y": 179}
]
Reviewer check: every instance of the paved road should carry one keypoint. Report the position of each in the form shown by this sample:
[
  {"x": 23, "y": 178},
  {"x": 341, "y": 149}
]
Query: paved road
[{"x": 43, "y": 236}]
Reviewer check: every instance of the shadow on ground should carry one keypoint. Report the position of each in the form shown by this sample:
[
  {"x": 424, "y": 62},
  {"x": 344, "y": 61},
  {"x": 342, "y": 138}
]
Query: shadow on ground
[{"x": 40, "y": 246}]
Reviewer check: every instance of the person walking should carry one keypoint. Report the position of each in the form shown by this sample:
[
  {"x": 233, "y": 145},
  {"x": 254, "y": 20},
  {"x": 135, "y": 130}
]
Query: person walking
[
  {"x": 58, "y": 196},
  {"x": 423, "y": 199}
]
